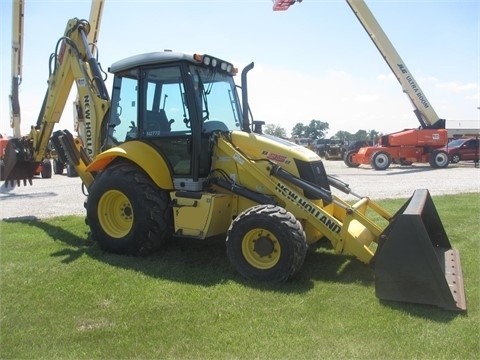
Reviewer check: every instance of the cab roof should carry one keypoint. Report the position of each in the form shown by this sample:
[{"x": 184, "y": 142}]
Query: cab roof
[{"x": 152, "y": 58}]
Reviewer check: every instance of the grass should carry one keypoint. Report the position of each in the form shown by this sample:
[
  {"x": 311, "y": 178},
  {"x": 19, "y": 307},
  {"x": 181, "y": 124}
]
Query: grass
[{"x": 61, "y": 297}]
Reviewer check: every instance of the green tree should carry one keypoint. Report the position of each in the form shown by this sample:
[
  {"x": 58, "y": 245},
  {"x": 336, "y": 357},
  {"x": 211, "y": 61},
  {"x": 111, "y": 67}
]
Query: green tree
[
  {"x": 299, "y": 130},
  {"x": 316, "y": 129},
  {"x": 275, "y": 130},
  {"x": 343, "y": 135},
  {"x": 360, "y": 135},
  {"x": 373, "y": 135}
]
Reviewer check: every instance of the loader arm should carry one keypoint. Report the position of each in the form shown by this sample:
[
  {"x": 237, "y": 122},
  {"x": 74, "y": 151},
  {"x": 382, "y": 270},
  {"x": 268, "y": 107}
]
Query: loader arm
[
  {"x": 347, "y": 227},
  {"x": 71, "y": 62}
]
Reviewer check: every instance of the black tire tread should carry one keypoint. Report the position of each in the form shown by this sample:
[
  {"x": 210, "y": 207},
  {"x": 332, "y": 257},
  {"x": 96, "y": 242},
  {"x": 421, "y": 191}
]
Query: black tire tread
[
  {"x": 286, "y": 224},
  {"x": 154, "y": 228}
]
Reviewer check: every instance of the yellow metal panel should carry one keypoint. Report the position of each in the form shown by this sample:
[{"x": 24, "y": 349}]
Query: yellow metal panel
[
  {"x": 208, "y": 216},
  {"x": 141, "y": 154}
]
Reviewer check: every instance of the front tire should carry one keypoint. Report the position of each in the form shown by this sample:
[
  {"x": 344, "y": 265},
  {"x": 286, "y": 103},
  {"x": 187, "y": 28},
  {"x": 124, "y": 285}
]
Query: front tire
[
  {"x": 266, "y": 243},
  {"x": 381, "y": 160},
  {"x": 127, "y": 213},
  {"x": 438, "y": 159},
  {"x": 347, "y": 159}
]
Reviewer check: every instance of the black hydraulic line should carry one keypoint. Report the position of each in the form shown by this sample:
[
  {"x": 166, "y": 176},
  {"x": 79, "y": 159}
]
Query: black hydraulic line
[
  {"x": 338, "y": 184},
  {"x": 342, "y": 186},
  {"x": 68, "y": 145},
  {"x": 15, "y": 103},
  {"x": 58, "y": 146},
  {"x": 95, "y": 68},
  {"x": 239, "y": 190},
  {"x": 325, "y": 195}
]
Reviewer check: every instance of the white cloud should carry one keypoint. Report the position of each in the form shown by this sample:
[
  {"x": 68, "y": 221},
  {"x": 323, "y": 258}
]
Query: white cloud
[
  {"x": 285, "y": 97},
  {"x": 366, "y": 98},
  {"x": 457, "y": 86},
  {"x": 386, "y": 77}
]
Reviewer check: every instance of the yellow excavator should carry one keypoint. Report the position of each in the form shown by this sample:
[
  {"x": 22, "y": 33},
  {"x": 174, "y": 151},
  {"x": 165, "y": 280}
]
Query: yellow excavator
[{"x": 174, "y": 152}]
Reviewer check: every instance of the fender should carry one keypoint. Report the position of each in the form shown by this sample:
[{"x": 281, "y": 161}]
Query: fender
[{"x": 141, "y": 154}]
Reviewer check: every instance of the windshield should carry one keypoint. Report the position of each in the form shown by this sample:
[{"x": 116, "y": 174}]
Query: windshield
[
  {"x": 218, "y": 97},
  {"x": 456, "y": 143}
]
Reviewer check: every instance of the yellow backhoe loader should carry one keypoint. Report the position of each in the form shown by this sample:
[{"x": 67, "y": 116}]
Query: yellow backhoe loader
[{"x": 174, "y": 152}]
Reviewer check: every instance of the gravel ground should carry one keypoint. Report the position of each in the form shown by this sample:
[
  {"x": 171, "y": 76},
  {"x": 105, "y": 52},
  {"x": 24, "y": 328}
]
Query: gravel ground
[{"x": 62, "y": 195}]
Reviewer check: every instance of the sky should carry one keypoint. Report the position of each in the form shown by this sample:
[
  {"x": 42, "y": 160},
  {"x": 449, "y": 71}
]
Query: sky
[{"x": 313, "y": 61}]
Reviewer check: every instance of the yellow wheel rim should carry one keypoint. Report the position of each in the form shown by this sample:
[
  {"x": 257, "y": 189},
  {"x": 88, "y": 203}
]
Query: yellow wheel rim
[
  {"x": 261, "y": 249},
  {"x": 115, "y": 214}
]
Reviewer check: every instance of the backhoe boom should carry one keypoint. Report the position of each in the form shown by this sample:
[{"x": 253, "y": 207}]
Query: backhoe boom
[{"x": 72, "y": 62}]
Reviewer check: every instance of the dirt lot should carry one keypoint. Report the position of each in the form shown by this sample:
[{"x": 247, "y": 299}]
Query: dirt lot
[{"x": 62, "y": 195}]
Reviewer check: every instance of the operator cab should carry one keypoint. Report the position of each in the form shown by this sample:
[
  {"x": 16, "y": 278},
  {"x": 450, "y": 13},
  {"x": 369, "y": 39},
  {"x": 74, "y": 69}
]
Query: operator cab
[{"x": 174, "y": 102}]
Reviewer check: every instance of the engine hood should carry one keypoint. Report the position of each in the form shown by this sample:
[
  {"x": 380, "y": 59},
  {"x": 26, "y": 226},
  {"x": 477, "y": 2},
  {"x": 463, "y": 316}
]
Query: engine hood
[{"x": 271, "y": 147}]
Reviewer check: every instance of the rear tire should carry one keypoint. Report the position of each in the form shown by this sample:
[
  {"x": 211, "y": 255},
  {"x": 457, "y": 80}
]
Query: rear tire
[
  {"x": 380, "y": 160},
  {"x": 127, "y": 213},
  {"x": 438, "y": 159},
  {"x": 47, "y": 169},
  {"x": 347, "y": 159},
  {"x": 58, "y": 167},
  {"x": 266, "y": 243},
  {"x": 2, "y": 170},
  {"x": 71, "y": 172}
]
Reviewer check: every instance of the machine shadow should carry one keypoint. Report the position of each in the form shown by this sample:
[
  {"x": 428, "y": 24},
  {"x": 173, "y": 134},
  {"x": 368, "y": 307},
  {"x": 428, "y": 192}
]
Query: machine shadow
[
  {"x": 410, "y": 170},
  {"x": 204, "y": 263}
]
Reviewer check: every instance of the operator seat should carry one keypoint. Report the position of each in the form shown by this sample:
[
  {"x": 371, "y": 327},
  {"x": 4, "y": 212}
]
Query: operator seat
[{"x": 157, "y": 122}]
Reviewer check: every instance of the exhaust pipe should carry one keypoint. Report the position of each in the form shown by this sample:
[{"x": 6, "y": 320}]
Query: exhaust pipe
[
  {"x": 245, "y": 106},
  {"x": 414, "y": 261}
]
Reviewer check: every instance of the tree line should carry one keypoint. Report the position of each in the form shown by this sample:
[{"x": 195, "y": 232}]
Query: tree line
[{"x": 317, "y": 129}]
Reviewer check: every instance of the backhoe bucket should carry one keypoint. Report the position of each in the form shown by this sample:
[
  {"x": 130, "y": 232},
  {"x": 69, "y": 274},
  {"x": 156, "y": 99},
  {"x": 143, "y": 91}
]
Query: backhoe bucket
[
  {"x": 414, "y": 261},
  {"x": 18, "y": 165}
]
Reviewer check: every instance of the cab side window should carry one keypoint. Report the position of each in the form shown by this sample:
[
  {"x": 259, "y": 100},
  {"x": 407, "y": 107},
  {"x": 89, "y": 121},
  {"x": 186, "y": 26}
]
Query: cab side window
[
  {"x": 166, "y": 119},
  {"x": 166, "y": 111},
  {"x": 123, "y": 117}
]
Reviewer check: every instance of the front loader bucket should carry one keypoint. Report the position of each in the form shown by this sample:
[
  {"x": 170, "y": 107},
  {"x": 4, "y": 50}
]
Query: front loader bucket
[
  {"x": 18, "y": 165},
  {"x": 414, "y": 261}
]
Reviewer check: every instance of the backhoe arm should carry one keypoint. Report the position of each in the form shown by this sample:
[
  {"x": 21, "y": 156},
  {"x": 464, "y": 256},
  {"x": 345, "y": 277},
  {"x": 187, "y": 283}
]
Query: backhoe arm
[{"x": 71, "y": 62}]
